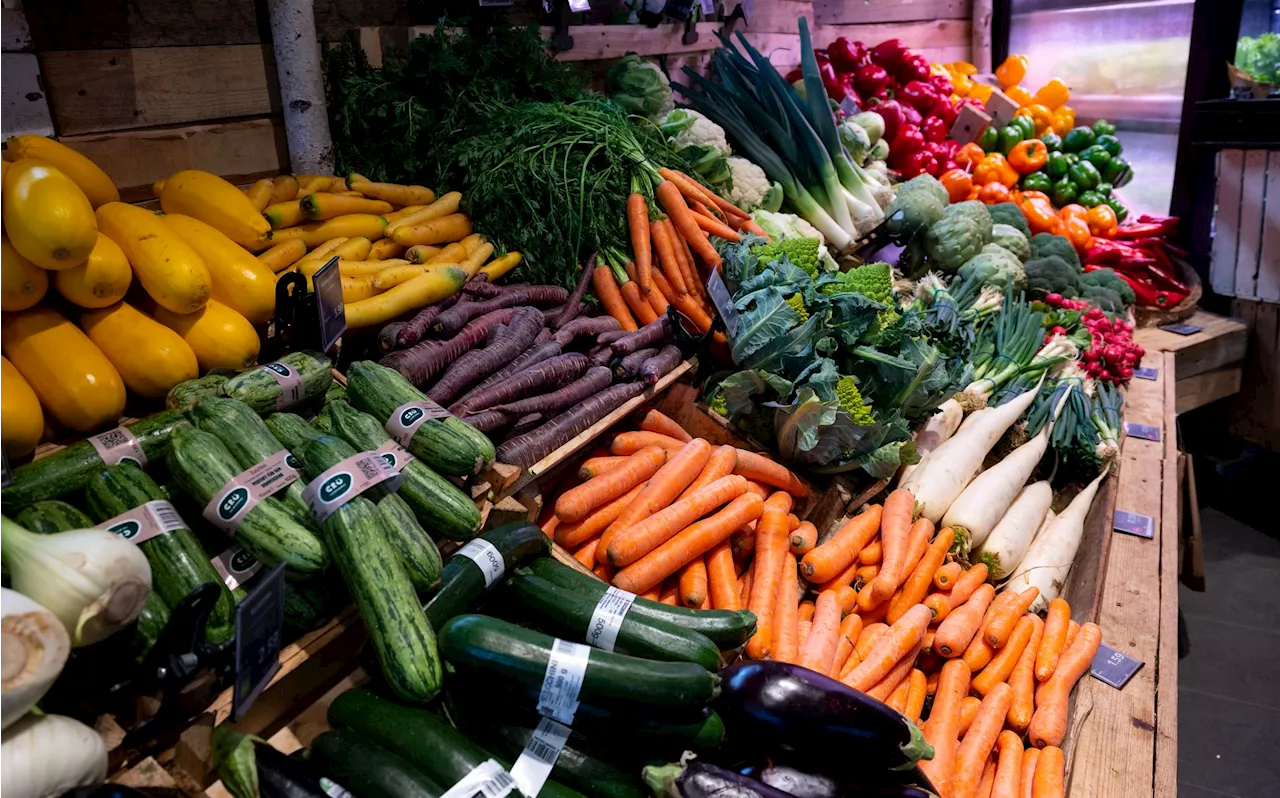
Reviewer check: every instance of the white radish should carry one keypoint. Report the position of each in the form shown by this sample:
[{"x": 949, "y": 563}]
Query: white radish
[
  {"x": 940, "y": 426},
  {"x": 35, "y": 646},
  {"x": 1049, "y": 559},
  {"x": 1007, "y": 544},
  {"x": 947, "y": 470},
  {"x": 47, "y": 755},
  {"x": 980, "y": 506}
]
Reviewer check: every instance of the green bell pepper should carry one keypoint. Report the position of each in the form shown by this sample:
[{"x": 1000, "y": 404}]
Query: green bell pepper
[
  {"x": 1122, "y": 212},
  {"x": 1072, "y": 157},
  {"x": 1084, "y": 174},
  {"x": 1090, "y": 198},
  {"x": 1010, "y": 136},
  {"x": 1118, "y": 173},
  {"x": 1027, "y": 124},
  {"x": 1103, "y": 188},
  {"x": 1037, "y": 181},
  {"x": 1077, "y": 139},
  {"x": 1052, "y": 141},
  {"x": 1109, "y": 143},
  {"x": 1096, "y": 155},
  {"x": 1104, "y": 128},
  {"x": 1064, "y": 192},
  {"x": 990, "y": 139},
  {"x": 1057, "y": 165}
]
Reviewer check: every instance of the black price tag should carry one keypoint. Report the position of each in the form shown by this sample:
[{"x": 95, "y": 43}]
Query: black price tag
[
  {"x": 6, "y": 477},
  {"x": 1144, "y": 431},
  {"x": 1181, "y": 329},
  {"x": 848, "y": 107},
  {"x": 1145, "y": 373},
  {"x": 1134, "y": 524},
  {"x": 1112, "y": 667},
  {"x": 723, "y": 301},
  {"x": 258, "y": 621},
  {"x": 331, "y": 313}
]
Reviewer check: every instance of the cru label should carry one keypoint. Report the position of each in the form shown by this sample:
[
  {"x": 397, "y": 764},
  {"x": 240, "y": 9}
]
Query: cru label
[
  {"x": 406, "y": 419},
  {"x": 348, "y": 479},
  {"x": 292, "y": 390},
  {"x": 232, "y": 503},
  {"x": 144, "y": 522}
]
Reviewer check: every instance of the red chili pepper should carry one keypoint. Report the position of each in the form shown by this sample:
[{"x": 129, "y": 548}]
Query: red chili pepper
[
  {"x": 1147, "y": 294},
  {"x": 1135, "y": 231},
  {"x": 1166, "y": 279}
]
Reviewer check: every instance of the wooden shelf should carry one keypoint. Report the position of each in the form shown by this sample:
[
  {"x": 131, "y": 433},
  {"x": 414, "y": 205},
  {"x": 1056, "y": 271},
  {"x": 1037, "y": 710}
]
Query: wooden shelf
[{"x": 1209, "y": 363}]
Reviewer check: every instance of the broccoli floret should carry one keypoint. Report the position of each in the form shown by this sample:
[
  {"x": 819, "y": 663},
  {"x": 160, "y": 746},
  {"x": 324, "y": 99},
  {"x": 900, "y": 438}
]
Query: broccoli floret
[
  {"x": 1010, "y": 214},
  {"x": 1008, "y": 237},
  {"x": 964, "y": 230},
  {"x": 920, "y": 209},
  {"x": 1051, "y": 275},
  {"x": 1103, "y": 297},
  {"x": 851, "y": 402},
  {"x": 796, "y": 303},
  {"x": 1045, "y": 244},
  {"x": 1107, "y": 278},
  {"x": 802, "y": 252}
]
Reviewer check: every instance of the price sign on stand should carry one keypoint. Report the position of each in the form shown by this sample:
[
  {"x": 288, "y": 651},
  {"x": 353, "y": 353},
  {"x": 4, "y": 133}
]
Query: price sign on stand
[
  {"x": 723, "y": 301},
  {"x": 1144, "y": 431},
  {"x": 331, "y": 313},
  {"x": 1181, "y": 329},
  {"x": 1133, "y": 524},
  {"x": 1145, "y": 373},
  {"x": 258, "y": 621},
  {"x": 1113, "y": 667}
]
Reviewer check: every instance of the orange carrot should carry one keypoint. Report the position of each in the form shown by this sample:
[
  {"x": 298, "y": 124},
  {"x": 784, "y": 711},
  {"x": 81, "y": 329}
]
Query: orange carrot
[
  {"x": 586, "y": 554},
  {"x": 671, "y": 592},
  {"x": 595, "y": 466},
  {"x": 895, "y": 526},
  {"x": 918, "y": 538},
  {"x": 639, "y": 306},
  {"x": 657, "y": 300},
  {"x": 843, "y": 579},
  {"x": 638, "y": 224},
  {"x": 672, "y": 201},
  {"x": 720, "y": 464},
  {"x": 806, "y": 610},
  {"x": 988, "y": 778},
  {"x": 630, "y": 543},
  {"x": 1023, "y": 680},
  {"x": 867, "y": 575},
  {"x": 693, "y": 583},
  {"x": 690, "y": 189},
  {"x": 942, "y": 730},
  {"x": 917, "y": 584},
  {"x": 1073, "y": 629},
  {"x": 628, "y": 443},
  {"x": 604, "y": 570},
  {"x": 968, "y": 711},
  {"x": 1001, "y": 666},
  {"x": 956, "y": 632},
  {"x": 793, "y": 522},
  {"x": 916, "y": 692},
  {"x": 722, "y": 578},
  {"x": 680, "y": 469},
  {"x": 897, "y": 700},
  {"x": 786, "y": 643},
  {"x": 1026, "y": 779},
  {"x": 761, "y": 468},
  {"x": 1056, "y": 621},
  {"x": 549, "y": 525},
  {"x": 576, "y": 503},
  {"x": 655, "y": 421},
  {"x": 945, "y": 577},
  {"x": 726, "y": 207},
  {"x": 575, "y": 534},
  {"x": 867, "y": 639},
  {"x": 758, "y": 488},
  {"x": 1049, "y": 780},
  {"x": 683, "y": 302},
  {"x": 978, "y": 654},
  {"x": 771, "y": 552},
  {"x": 872, "y": 553},
  {"x": 664, "y": 248},
  {"x": 899, "y": 674},
  {"x": 715, "y": 227},
  {"x": 847, "y": 597},
  {"x": 684, "y": 262},
  {"x": 820, "y": 647},
  {"x": 654, "y": 594},
  {"x": 610, "y": 296},
  {"x": 841, "y": 549},
  {"x": 965, "y": 586},
  {"x": 803, "y": 538},
  {"x": 1008, "y": 766},
  {"x": 744, "y": 585},
  {"x": 1049, "y": 723},
  {"x": 903, "y": 636},
  {"x": 979, "y": 740},
  {"x": 846, "y": 638},
  {"x": 1000, "y": 628},
  {"x": 877, "y": 613},
  {"x": 743, "y": 542}
]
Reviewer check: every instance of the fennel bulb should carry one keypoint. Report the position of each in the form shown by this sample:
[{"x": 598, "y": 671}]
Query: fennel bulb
[
  {"x": 33, "y": 648},
  {"x": 93, "y": 581},
  {"x": 43, "y": 756}
]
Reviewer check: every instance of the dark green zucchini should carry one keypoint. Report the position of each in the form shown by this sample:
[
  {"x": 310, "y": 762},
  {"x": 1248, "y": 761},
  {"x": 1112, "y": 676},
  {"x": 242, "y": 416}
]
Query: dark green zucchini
[
  {"x": 309, "y": 603},
  {"x": 65, "y": 472},
  {"x": 567, "y": 614},
  {"x": 184, "y": 395},
  {"x": 337, "y": 393},
  {"x": 53, "y": 516},
  {"x": 178, "y": 563},
  {"x": 463, "y": 585},
  {"x": 148, "y": 626},
  {"x": 368, "y": 770},
  {"x": 446, "y": 444},
  {"x": 260, "y": 391},
  {"x": 442, "y": 508},
  {"x": 480, "y": 644},
  {"x": 202, "y": 466},
  {"x": 726, "y": 628},
  {"x": 421, "y": 737}
]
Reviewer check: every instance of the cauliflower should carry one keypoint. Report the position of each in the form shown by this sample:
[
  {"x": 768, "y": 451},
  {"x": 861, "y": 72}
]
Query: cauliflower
[
  {"x": 802, "y": 252},
  {"x": 851, "y": 402},
  {"x": 748, "y": 184},
  {"x": 1009, "y": 238},
  {"x": 640, "y": 87},
  {"x": 685, "y": 127},
  {"x": 785, "y": 225}
]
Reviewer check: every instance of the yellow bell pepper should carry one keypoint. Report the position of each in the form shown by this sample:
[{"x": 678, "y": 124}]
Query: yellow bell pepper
[
  {"x": 1063, "y": 120},
  {"x": 961, "y": 84},
  {"x": 1041, "y": 115},
  {"x": 1053, "y": 94},
  {"x": 1019, "y": 95},
  {"x": 962, "y": 68},
  {"x": 981, "y": 91},
  {"x": 1012, "y": 71}
]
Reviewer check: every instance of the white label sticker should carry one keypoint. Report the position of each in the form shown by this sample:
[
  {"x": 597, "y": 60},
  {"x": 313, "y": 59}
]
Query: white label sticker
[
  {"x": 236, "y": 566},
  {"x": 292, "y": 390},
  {"x": 348, "y": 479},
  {"x": 406, "y": 419},
  {"x": 232, "y": 503},
  {"x": 396, "y": 455},
  {"x": 117, "y": 445},
  {"x": 607, "y": 618},
  {"x": 147, "y": 521},
  {"x": 488, "y": 780},
  {"x": 334, "y": 789},
  {"x": 487, "y": 557},
  {"x": 562, "y": 683},
  {"x": 532, "y": 769}
]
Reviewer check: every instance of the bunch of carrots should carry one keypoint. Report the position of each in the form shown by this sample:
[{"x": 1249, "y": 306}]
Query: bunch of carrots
[{"x": 672, "y": 255}]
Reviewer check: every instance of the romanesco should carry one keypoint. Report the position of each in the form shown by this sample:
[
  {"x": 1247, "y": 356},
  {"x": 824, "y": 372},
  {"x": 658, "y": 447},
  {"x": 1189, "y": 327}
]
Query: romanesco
[
  {"x": 759, "y": 425},
  {"x": 802, "y": 252},
  {"x": 796, "y": 303},
  {"x": 874, "y": 281},
  {"x": 851, "y": 402},
  {"x": 718, "y": 405}
]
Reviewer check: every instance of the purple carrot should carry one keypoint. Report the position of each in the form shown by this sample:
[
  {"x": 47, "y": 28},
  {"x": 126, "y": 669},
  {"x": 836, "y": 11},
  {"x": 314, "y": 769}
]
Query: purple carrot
[
  {"x": 489, "y": 421},
  {"x": 485, "y": 290},
  {"x": 600, "y": 356},
  {"x": 413, "y": 330},
  {"x": 531, "y": 357},
  {"x": 593, "y": 382},
  {"x": 611, "y": 336},
  {"x": 421, "y": 362},
  {"x": 583, "y": 325},
  {"x": 539, "y": 377},
  {"x": 656, "y": 367},
  {"x": 455, "y": 318},
  {"x": 652, "y": 334},
  {"x": 628, "y": 368},
  {"x": 480, "y": 363},
  {"x": 388, "y": 335},
  {"x": 494, "y": 333},
  {"x": 543, "y": 336},
  {"x": 570, "y": 311},
  {"x": 525, "y": 450},
  {"x": 526, "y": 423}
]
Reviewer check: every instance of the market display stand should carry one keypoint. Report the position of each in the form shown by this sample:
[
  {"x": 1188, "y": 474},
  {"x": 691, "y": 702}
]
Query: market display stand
[{"x": 1209, "y": 362}]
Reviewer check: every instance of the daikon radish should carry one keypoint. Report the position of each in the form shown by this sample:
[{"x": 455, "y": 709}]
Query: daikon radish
[
  {"x": 947, "y": 470},
  {"x": 940, "y": 426},
  {"x": 981, "y": 505},
  {"x": 1007, "y": 544},
  {"x": 1049, "y": 559}
]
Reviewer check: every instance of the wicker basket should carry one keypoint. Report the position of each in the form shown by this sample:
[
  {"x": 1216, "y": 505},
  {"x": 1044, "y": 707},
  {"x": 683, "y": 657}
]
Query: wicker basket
[{"x": 1154, "y": 317}]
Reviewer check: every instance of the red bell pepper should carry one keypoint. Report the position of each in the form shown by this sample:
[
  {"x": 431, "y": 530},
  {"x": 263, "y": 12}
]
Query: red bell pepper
[
  {"x": 920, "y": 95},
  {"x": 908, "y": 140},
  {"x": 935, "y": 129},
  {"x": 847, "y": 55},
  {"x": 889, "y": 53},
  {"x": 891, "y": 112},
  {"x": 913, "y": 67},
  {"x": 870, "y": 79}
]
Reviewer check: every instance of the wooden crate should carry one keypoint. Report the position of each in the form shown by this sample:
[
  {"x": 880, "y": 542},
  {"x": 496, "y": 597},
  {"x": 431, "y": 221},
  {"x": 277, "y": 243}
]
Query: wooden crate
[
  {"x": 1209, "y": 363},
  {"x": 1245, "y": 256},
  {"x": 1255, "y": 415}
]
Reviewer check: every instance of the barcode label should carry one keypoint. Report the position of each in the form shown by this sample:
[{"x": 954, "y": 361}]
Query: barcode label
[
  {"x": 488, "y": 780},
  {"x": 118, "y": 445},
  {"x": 487, "y": 557},
  {"x": 533, "y": 767},
  {"x": 348, "y": 479},
  {"x": 566, "y": 669},
  {"x": 606, "y": 620},
  {"x": 396, "y": 455},
  {"x": 144, "y": 522}
]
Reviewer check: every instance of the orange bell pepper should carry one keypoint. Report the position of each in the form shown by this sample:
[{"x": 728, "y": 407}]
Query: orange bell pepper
[
  {"x": 1012, "y": 71},
  {"x": 1074, "y": 210},
  {"x": 1041, "y": 116},
  {"x": 970, "y": 154},
  {"x": 1053, "y": 94},
  {"x": 1077, "y": 232},
  {"x": 974, "y": 192},
  {"x": 1028, "y": 156},
  {"x": 995, "y": 169},
  {"x": 1039, "y": 213},
  {"x": 1064, "y": 119},
  {"x": 994, "y": 193},
  {"x": 1102, "y": 221},
  {"x": 958, "y": 184},
  {"x": 981, "y": 91},
  {"x": 962, "y": 68},
  {"x": 1040, "y": 195},
  {"x": 1019, "y": 95}
]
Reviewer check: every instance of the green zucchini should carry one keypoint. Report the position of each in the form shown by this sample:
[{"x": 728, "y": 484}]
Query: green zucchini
[
  {"x": 438, "y": 503},
  {"x": 184, "y": 395},
  {"x": 421, "y": 737},
  {"x": 178, "y": 564},
  {"x": 148, "y": 626},
  {"x": 201, "y": 466},
  {"x": 337, "y": 393},
  {"x": 310, "y": 603},
  {"x": 260, "y": 391},
  {"x": 291, "y": 429},
  {"x": 463, "y": 584},
  {"x": 53, "y": 516},
  {"x": 357, "y": 538},
  {"x": 250, "y": 442},
  {"x": 567, "y": 614},
  {"x": 65, "y": 472},
  {"x": 368, "y": 770},
  {"x": 446, "y": 444},
  {"x": 417, "y": 551},
  {"x": 480, "y": 644},
  {"x": 726, "y": 628}
]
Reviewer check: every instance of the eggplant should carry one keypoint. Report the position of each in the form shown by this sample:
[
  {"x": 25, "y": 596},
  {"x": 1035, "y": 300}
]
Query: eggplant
[
  {"x": 815, "y": 722},
  {"x": 280, "y": 776},
  {"x": 697, "y": 779},
  {"x": 798, "y": 783}
]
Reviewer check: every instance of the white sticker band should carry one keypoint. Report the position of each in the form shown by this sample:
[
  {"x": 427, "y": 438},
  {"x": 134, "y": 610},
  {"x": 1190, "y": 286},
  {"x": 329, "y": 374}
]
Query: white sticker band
[
  {"x": 606, "y": 620},
  {"x": 486, "y": 557},
  {"x": 117, "y": 445},
  {"x": 144, "y": 522},
  {"x": 396, "y": 455},
  {"x": 236, "y": 566},
  {"x": 533, "y": 767},
  {"x": 562, "y": 683},
  {"x": 234, "y": 500},
  {"x": 292, "y": 391},
  {"x": 488, "y": 780},
  {"x": 348, "y": 479},
  {"x": 334, "y": 789},
  {"x": 406, "y": 419}
]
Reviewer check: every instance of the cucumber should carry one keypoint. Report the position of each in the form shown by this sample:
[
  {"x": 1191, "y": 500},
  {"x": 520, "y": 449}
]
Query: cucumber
[
  {"x": 462, "y": 583},
  {"x": 260, "y": 391},
  {"x": 178, "y": 564},
  {"x": 418, "y": 553},
  {"x": 567, "y": 614},
  {"x": 368, "y": 770},
  {"x": 438, "y": 503},
  {"x": 184, "y": 395},
  {"x": 357, "y": 538},
  {"x": 201, "y": 466},
  {"x": 479, "y": 644},
  {"x": 65, "y": 472},
  {"x": 446, "y": 444},
  {"x": 148, "y": 626},
  {"x": 422, "y": 738},
  {"x": 250, "y": 442},
  {"x": 53, "y": 516},
  {"x": 291, "y": 429},
  {"x": 726, "y": 628}
]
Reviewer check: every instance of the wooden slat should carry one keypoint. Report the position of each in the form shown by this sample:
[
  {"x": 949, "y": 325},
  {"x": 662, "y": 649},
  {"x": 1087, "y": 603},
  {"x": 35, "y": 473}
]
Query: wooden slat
[
  {"x": 239, "y": 151},
  {"x": 1252, "y": 185},
  {"x": 1210, "y": 386},
  {"x": 1256, "y": 412},
  {"x": 980, "y": 36},
  {"x": 97, "y": 90},
  {"x": 1226, "y": 222},
  {"x": 843, "y": 12},
  {"x": 780, "y": 16},
  {"x": 1166, "y": 664},
  {"x": 1221, "y": 342},
  {"x": 598, "y": 42},
  {"x": 1268, "y": 288}
]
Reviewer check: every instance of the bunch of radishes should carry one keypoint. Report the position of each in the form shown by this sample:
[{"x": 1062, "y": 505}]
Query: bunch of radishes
[{"x": 1112, "y": 354}]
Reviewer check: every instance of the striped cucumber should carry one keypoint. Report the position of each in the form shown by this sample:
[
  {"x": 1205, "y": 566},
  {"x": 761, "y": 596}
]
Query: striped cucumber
[
  {"x": 262, "y": 388},
  {"x": 291, "y": 429},
  {"x": 53, "y": 516},
  {"x": 184, "y": 395},
  {"x": 463, "y": 583},
  {"x": 148, "y": 626}
]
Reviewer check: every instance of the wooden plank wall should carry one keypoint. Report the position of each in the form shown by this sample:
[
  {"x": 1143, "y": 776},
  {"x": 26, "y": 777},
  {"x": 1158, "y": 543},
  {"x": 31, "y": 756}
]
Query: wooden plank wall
[
  {"x": 1255, "y": 416},
  {"x": 1245, "y": 255}
]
